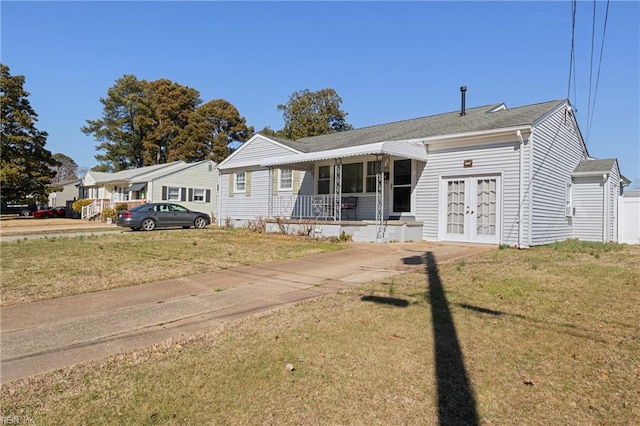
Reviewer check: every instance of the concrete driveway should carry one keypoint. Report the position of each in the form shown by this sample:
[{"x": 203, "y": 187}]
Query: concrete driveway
[{"x": 47, "y": 335}]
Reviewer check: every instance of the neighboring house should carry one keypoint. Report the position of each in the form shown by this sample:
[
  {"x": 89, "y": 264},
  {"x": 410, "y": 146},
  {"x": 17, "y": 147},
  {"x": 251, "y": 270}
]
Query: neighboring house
[
  {"x": 193, "y": 185},
  {"x": 492, "y": 174},
  {"x": 67, "y": 192}
]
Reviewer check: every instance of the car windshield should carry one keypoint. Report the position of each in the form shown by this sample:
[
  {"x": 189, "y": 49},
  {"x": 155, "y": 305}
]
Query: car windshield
[{"x": 141, "y": 207}]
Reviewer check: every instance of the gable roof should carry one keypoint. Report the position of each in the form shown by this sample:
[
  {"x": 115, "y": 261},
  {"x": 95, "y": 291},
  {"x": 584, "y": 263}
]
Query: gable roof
[
  {"x": 594, "y": 167},
  {"x": 141, "y": 174},
  {"x": 488, "y": 117}
]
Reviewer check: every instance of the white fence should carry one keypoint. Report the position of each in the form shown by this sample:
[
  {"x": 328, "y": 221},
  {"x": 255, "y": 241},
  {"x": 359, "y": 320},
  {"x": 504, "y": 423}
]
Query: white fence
[{"x": 629, "y": 218}]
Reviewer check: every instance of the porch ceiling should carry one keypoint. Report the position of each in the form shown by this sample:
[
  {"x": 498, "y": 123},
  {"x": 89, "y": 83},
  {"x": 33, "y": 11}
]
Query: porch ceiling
[{"x": 403, "y": 149}]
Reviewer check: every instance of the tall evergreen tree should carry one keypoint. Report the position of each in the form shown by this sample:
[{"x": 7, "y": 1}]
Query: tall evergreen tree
[
  {"x": 313, "y": 113},
  {"x": 171, "y": 104},
  {"x": 212, "y": 128},
  {"x": 25, "y": 164},
  {"x": 126, "y": 121}
]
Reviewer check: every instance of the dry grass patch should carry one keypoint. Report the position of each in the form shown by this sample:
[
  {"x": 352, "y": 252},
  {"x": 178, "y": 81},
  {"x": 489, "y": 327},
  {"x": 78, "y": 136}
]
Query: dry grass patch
[
  {"x": 543, "y": 336},
  {"x": 59, "y": 266}
]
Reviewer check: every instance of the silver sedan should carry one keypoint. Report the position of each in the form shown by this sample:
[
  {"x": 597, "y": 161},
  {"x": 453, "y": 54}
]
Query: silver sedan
[{"x": 161, "y": 215}]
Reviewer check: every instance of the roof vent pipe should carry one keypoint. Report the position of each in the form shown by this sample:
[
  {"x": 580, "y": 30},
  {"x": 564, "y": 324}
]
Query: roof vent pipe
[{"x": 463, "y": 91}]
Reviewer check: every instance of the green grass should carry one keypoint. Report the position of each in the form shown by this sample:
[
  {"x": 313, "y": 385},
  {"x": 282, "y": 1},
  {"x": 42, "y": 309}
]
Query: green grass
[
  {"x": 58, "y": 266},
  {"x": 554, "y": 344}
]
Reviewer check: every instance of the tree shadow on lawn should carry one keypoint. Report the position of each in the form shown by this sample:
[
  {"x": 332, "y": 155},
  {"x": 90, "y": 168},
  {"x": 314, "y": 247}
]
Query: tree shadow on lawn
[{"x": 456, "y": 402}]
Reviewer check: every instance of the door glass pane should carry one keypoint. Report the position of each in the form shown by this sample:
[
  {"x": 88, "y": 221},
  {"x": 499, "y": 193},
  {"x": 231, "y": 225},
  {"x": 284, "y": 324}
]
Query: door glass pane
[
  {"x": 402, "y": 199},
  {"x": 455, "y": 207},
  {"x": 486, "y": 207},
  {"x": 402, "y": 172}
]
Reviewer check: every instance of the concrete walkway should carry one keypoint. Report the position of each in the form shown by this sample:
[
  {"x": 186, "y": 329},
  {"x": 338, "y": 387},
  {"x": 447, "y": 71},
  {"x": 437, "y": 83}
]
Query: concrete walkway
[{"x": 43, "y": 336}]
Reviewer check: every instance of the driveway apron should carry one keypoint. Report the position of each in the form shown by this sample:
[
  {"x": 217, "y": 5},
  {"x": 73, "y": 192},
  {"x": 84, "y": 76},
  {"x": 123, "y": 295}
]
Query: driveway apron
[{"x": 43, "y": 336}]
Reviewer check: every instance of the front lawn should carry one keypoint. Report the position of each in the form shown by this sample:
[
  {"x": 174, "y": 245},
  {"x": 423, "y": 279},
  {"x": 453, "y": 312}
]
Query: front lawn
[
  {"x": 548, "y": 335},
  {"x": 59, "y": 266}
]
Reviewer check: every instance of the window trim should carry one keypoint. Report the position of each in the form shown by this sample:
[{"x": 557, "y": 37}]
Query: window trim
[
  {"x": 204, "y": 195},
  {"x": 169, "y": 188}
]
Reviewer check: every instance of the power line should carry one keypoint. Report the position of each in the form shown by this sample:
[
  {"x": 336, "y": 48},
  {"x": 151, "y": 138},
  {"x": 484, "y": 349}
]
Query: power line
[
  {"x": 573, "y": 37},
  {"x": 593, "y": 37},
  {"x": 604, "y": 31}
]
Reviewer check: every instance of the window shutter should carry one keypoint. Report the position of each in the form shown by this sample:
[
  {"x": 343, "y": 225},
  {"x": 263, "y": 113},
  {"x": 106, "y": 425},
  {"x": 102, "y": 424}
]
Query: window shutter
[
  {"x": 164, "y": 192},
  {"x": 231, "y": 177},
  {"x": 296, "y": 182},
  {"x": 183, "y": 194},
  {"x": 190, "y": 194},
  {"x": 275, "y": 175},
  {"x": 208, "y": 195},
  {"x": 247, "y": 183}
]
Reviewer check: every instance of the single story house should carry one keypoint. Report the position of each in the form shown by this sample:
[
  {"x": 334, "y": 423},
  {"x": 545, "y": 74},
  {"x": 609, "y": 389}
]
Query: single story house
[
  {"x": 491, "y": 174},
  {"x": 193, "y": 185},
  {"x": 64, "y": 195}
]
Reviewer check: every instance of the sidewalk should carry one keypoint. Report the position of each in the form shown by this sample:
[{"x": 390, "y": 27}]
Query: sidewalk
[{"x": 43, "y": 336}]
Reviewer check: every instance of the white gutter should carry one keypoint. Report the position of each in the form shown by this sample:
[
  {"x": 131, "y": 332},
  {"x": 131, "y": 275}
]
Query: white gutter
[{"x": 482, "y": 134}]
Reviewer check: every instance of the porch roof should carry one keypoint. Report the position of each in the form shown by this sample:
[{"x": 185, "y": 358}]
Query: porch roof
[{"x": 403, "y": 149}]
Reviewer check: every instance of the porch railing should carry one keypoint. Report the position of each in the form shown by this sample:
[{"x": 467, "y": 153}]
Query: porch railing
[
  {"x": 305, "y": 207},
  {"x": 94, "y": 209}
]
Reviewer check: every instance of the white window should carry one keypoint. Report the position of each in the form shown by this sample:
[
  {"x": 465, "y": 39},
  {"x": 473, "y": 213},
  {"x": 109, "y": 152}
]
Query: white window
[
  {"x": 240, "y": 182},
  {"x": 286, "y": 180},
  {"x": 173, "y": 193},
  {"x": 198, "y": 195}
]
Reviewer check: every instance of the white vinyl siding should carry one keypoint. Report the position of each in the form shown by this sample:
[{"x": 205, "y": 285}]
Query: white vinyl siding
[
  {"x": 495, "y": 159},
  {"x": 246, "y": 206},
  {"x": 255, "y": 151},
  {"x": 588, "y": 194},
  {"x": 557, "y": 150}
]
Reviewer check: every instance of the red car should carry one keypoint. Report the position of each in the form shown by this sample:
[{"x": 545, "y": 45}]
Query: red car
[{"x": 49, "y": 212}]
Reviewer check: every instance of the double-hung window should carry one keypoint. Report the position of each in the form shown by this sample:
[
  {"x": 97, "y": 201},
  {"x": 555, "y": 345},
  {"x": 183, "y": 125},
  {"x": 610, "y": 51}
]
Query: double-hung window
[
  {"x": 240, "y": 182},
  {"x": 173, "y": 193},
  {"x": 324, "y": 180},
  {"x": 285, "y": 183},
  {"x": 198, "y": 195},
  {"x": 373, "y": 167}
]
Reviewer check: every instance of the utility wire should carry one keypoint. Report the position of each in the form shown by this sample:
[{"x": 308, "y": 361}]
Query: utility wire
[
  {"x": 604, "y": 31},
  {"x": 572, "y": 54},
  {"x": 593, "y": 38}
]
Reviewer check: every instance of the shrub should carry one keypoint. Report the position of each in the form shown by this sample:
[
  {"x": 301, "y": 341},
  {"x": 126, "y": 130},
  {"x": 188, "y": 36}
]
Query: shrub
[
  {"x": 108, "y": 212},
  {"x": 79, "y": 204},
  {"x": 121, "y": 208}
]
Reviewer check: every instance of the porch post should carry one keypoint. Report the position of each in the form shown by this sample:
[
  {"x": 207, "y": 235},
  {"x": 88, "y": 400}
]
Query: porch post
[
  {"x": 270, "y": 194},
  {"x": 379, "y": 200},
  {"x": 337, "y": 193}
]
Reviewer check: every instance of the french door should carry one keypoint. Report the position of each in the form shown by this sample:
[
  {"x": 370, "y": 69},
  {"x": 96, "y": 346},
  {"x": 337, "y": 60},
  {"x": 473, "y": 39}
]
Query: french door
[{"x": 471, "y": 209}]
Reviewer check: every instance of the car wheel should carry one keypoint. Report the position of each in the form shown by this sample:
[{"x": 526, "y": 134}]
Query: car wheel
[
  {"x": 148, "y": 224},
  {"x": 200, "y": 222},
  {"x": 25, "y": 213}
]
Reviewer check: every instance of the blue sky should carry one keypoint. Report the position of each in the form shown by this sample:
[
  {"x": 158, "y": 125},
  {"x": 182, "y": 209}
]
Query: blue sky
[{"x": 388, "y": 61}]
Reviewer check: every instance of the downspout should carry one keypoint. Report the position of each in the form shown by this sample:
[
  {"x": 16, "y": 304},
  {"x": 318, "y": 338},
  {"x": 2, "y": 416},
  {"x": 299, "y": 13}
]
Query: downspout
[
  {"x": 605, "y": 190},
  {"x": 519, "y": 134}
]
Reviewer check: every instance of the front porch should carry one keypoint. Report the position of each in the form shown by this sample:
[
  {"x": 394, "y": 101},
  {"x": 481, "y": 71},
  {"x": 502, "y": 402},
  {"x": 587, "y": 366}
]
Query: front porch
[{"x": 359, "y": 231}]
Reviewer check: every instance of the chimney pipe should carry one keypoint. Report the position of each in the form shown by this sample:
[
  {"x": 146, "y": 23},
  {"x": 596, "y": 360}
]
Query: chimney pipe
[{"x": 463, "y": 91}]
